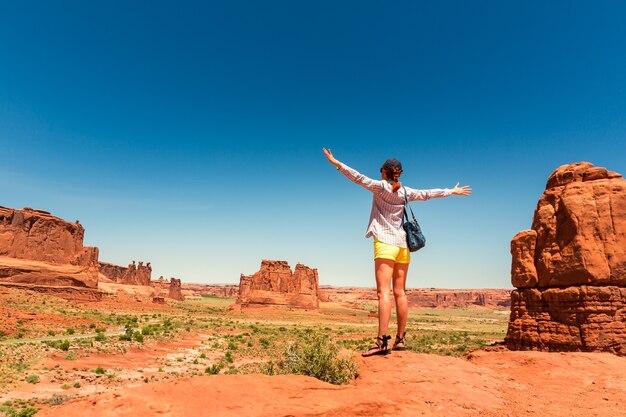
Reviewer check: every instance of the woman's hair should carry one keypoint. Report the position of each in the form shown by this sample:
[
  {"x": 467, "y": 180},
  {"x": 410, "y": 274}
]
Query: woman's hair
[{"x": 393, "y": 169}]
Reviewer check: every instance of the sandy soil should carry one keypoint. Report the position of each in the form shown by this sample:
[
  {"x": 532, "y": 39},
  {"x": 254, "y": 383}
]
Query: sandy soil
[{"x": 487, "y": 383}]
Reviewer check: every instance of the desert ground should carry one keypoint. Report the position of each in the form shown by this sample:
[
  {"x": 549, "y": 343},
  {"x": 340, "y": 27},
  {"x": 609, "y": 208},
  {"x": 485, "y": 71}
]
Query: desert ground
[{"x": 204, "y": 356}]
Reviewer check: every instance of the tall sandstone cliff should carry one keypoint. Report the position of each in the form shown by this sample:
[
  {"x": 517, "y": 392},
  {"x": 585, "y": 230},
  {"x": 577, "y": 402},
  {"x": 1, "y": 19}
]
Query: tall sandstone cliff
[
  {"x": 275, "y": 285},
  {"x": 37, "y": 248},
  {"x": 570, "y": 268}
]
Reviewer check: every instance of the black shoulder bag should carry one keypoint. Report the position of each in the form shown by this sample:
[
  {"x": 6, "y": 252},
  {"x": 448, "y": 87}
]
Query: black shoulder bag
[{"x": 415, "y": 239}]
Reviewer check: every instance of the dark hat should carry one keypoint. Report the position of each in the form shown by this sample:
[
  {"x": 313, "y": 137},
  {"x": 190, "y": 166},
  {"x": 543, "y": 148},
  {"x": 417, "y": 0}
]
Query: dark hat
[{"x": 391, "y": 163}]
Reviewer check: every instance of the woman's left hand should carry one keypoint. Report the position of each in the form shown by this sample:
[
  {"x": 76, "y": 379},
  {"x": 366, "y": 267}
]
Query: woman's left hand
[
  {"x": 465, "y": 190},
  {"x": 331, "y": 158}
]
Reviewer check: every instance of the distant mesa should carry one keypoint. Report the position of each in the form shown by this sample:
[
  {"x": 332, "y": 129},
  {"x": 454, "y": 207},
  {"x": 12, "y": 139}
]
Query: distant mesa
[
  {"x": 43, "y": 252},
  {"x": 275, "y": 285},
  {"x": 214, "y": 290},
  {"x": 355, "y": 297},
  {"x": 570, "y": 268}
]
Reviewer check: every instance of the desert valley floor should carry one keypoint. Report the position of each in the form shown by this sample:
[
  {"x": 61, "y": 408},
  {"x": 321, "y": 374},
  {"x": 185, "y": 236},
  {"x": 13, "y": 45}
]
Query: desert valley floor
[{"x": 125, "y": 355}]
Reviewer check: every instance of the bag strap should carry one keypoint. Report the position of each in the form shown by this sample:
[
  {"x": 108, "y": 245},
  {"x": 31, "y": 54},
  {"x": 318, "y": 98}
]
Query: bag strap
[{"x": 406, "y": 204}]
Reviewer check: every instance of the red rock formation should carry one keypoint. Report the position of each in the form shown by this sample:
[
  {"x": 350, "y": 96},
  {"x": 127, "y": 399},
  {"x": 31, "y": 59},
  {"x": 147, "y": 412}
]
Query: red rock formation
[
  {"x": 38, "y": 250},
  {"x": 175, "y": 290},
  {"x": 167, "y": 288},
  {"x": 274, "y": 284},
  {"x": 570, "y": 269},
  {"x": 132, "y": 275}
]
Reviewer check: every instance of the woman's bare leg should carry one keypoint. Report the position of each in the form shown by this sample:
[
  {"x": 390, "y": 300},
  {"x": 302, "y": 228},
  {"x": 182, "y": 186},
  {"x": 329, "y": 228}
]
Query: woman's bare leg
[
  {"x": 400, "y": 272},
  {"x": 384, "y": 272}
]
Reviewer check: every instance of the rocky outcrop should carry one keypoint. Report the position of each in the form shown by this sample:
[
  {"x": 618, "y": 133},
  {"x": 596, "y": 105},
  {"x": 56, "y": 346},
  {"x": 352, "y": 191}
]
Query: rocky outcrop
[
  {"x": 39, "y": 250},
  {"x": 570, "y": 269},
  {"x": 134, "y": 274},
  {"x": 174, "y": 291},
  {"x": 275, "y": 285},
  {"x": 171, "y": 288}
]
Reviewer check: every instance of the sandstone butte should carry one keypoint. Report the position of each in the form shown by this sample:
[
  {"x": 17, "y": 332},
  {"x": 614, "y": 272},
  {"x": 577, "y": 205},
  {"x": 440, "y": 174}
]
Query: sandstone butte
[
  {"x": 569, "y": 270},
  {"x": 275, "y": 285},
  {"x": 43, "y": 252}
]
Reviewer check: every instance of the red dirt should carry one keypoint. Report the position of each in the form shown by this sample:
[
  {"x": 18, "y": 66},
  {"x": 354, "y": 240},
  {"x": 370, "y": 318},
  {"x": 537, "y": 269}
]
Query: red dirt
[{"x": 489, "y": 384}]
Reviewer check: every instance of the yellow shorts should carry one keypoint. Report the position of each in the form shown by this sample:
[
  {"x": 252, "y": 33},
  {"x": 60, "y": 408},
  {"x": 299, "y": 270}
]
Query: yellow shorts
[{"x": 396, "y": 254}]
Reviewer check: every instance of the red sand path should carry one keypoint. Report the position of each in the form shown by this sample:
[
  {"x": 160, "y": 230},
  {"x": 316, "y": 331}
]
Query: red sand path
[{"x": 489, "y": 384}]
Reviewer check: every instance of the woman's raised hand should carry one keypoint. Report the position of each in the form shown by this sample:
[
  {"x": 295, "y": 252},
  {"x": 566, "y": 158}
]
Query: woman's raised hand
[
  {"x": 465, "y": 190},
  {"x": 331, "y": 158}
]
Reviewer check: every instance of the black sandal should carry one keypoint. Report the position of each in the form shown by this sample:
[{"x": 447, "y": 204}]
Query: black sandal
[
  {"x": 380, "y": 348},
  {"x": 398, "y": 341}
]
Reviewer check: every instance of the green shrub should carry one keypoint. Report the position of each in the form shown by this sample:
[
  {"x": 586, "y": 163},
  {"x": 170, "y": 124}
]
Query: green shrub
[
  {"x": 69, "y": 331},
  {"x": 213, "y": 369},
  {"x": 317, "y": 356},
  {"x": 99, "y": 370},
  {"x": 33, "y": 379},
  {"x": 126, "y": 337},
  {"x": 24, "y": 412},
  {"x": 138, "y": 337},
  {"x": 100, "y": 337},
  {"x": 65, "y": 345}
]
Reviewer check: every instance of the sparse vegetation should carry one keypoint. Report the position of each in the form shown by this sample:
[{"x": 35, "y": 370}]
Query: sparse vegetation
[
  {"x": 229, "y": 343},
  {"x": 317, "y": 356},
  {"x": 213, "y": 369},
  {"x": 33, "y": 379}
]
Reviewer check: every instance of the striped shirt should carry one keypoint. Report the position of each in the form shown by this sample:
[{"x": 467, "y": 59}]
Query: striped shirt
[{"x": 388, "y": 207}]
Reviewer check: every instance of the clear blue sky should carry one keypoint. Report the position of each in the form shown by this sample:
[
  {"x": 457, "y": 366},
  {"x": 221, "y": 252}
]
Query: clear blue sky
[{"x": 189, "y": 134}]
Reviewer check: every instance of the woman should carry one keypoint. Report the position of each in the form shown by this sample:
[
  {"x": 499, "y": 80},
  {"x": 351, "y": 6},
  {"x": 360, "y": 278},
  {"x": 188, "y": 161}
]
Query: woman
[{"x": 391, "y": 255}]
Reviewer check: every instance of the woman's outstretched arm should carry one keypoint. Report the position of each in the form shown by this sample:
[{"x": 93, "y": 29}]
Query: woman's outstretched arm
[
  {"x": 352, "y": 174},
  {"x": 414, "y": 195}
]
